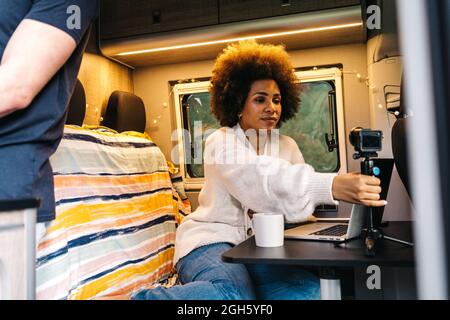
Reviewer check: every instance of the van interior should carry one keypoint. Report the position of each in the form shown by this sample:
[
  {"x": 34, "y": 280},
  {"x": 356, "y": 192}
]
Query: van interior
[
  {"x": 168, "y": 66},
  {"x": 144, "y": 81}
]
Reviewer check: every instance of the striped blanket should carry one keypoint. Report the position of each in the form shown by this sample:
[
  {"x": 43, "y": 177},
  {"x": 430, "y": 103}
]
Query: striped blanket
[{"x": 117, "y": 209}]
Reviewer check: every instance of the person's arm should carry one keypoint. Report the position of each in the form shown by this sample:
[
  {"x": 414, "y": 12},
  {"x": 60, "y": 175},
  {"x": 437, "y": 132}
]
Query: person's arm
[
  {"x": 33, "y": 55},
  {"x": 268, "y": 184},
  {"x": 263, "y": 183},
  {"x": 351, "y": 187}
]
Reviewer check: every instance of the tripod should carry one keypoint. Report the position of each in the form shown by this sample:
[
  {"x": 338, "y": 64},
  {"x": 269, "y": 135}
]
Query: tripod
[{"x": 371, "y": 233}]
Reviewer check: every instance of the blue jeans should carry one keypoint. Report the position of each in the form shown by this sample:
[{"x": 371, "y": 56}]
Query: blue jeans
[{"x": 206, "y": 277}]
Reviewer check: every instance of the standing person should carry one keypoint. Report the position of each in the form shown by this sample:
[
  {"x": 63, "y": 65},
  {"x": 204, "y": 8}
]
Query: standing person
[
  {"x": 41, "y": 47},
  {"x": 253, "y": 90}
]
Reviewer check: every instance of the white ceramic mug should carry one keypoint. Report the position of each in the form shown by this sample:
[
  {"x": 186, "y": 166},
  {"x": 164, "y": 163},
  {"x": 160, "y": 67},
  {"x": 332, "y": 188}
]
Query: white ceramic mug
[{"x": 268, "y": 229}]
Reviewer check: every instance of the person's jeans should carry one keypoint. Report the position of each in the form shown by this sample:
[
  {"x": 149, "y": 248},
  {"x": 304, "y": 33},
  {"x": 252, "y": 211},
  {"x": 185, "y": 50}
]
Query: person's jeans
[{"x": 206, "y": 277}]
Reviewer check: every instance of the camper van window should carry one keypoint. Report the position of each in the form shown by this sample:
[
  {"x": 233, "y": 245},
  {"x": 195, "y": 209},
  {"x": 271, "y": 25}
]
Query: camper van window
[
  {"x": 197, "y": 112},
  {"x": 312, "y": 122},
  {"x": 308, "y": 128}
]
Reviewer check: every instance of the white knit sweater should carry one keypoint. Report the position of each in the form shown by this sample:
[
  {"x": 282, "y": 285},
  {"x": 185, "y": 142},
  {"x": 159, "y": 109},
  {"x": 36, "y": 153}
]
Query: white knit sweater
[{"x": 264, "y": 183}]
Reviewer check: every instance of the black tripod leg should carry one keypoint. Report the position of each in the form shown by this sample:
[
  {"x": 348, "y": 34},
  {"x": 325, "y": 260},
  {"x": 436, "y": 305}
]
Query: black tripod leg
[{"x": 398, "y": 241}]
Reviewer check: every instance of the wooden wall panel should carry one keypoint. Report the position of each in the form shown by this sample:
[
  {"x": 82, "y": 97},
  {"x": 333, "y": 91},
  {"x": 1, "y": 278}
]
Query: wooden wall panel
[{"x": 100, "y": 77}]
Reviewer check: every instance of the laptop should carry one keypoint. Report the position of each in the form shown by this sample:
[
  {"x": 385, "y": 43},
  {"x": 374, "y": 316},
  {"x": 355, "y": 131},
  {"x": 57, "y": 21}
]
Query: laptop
[{"x": 338, "y": 231}]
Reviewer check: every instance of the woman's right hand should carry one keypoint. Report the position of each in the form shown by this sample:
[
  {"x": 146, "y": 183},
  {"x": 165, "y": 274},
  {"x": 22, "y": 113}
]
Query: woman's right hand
[{"x": 358, "y": 188}]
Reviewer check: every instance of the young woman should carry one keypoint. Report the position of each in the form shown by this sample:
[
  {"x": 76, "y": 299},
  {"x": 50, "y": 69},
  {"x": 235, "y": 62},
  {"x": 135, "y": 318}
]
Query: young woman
[{"x": 250, "y": 168}]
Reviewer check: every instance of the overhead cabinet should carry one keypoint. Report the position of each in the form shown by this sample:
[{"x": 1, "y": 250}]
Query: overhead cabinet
[
  {"x": 154, "y": 32},
  {"x": 129, "y": 18},
  {"x": 239, "y": 10}
]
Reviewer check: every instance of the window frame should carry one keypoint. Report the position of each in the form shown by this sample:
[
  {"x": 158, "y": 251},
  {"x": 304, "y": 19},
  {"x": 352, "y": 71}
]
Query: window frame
[
  {"x": 325, "y": 74},
  {"x": 332, "y": 74},
  {"x": 178, "y": 91}
]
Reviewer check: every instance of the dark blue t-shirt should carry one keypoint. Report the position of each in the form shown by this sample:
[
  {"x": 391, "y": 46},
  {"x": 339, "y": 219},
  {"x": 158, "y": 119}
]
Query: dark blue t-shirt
[{"x": 29, "y": 137}]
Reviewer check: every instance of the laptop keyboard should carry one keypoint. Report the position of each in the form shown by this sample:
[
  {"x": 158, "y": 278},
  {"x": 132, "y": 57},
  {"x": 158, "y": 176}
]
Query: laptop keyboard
[{"x": 337, "y": 230}]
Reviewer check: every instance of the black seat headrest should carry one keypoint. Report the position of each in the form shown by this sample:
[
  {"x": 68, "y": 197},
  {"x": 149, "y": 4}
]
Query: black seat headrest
[
  {"x": 403, "y": 109},
  {"x": 77, "y": 106},
  {"x": 125, "y": 112},
  {"x": 400, "y": 150},
  {"x": 400, "y": 141}
]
